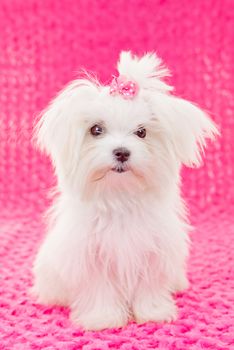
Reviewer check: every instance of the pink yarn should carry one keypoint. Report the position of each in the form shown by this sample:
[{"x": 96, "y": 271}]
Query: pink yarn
[{"x": 42, "y": 44}]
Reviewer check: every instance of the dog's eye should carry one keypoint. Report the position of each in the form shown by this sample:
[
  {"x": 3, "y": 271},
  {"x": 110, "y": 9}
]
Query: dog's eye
[
  {"x": 96, "y": 130},
  {"x": 141, "y": 132}
]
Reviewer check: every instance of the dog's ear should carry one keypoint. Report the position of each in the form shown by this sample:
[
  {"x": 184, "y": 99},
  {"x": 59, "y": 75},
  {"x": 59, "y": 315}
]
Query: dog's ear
[
  {"x": 59, "y": 132},
  {"x": 188, "y": 126}
]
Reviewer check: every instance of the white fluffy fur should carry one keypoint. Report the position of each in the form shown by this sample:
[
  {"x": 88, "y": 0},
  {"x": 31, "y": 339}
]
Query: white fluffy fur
[{"x": 117, "y": 242}]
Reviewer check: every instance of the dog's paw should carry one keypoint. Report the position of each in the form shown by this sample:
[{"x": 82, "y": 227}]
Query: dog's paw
[
  {"x": 106, "y": 319},
  {"x": 48, "y": 289},
  {"x": 158, "y": 310},
  {"x": 181, "y": 284},
  {"x": 45, "y": 296}
]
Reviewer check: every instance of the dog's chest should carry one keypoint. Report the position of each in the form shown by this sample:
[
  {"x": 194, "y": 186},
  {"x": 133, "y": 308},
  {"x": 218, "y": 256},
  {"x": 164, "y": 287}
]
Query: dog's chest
[{"x": 125, "y": 243}]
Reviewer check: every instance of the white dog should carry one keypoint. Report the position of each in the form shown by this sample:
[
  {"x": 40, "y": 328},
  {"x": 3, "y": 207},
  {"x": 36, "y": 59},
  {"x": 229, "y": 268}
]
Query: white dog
[{"x": 118, "y": 242}]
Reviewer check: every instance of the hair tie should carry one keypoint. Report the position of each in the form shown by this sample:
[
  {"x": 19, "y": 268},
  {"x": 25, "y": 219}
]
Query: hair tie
[{"x": 128, "y": 89}]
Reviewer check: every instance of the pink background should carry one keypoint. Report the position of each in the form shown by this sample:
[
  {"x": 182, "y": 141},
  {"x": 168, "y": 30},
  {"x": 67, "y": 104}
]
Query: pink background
[{"x": 42, "y": 46}]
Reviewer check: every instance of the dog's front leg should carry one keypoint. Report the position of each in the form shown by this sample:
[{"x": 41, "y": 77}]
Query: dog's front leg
[
  {"x": 99, "y": 306},
  {"x": 153, "y": 302}
]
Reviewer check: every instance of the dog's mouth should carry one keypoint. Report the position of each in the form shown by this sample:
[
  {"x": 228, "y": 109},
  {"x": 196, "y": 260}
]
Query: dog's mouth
[
  {"x": 101, "y": 174},
  {"x": 120, "y": 168}
]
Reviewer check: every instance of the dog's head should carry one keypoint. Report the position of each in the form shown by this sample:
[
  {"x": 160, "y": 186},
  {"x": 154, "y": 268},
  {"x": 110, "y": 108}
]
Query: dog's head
[{"x": 130, "y": 136}]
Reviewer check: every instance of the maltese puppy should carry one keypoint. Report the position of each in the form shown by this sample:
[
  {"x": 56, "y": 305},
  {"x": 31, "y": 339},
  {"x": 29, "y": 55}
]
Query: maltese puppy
[{"x": 118, "y": 235}]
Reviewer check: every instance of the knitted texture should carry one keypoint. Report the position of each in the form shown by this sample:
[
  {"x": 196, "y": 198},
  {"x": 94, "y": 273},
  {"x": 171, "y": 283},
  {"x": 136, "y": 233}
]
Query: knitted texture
[{"x": 42, "y": 46}]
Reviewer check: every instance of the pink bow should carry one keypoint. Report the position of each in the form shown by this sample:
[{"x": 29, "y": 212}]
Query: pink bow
[{"x": 128, "y": 89}]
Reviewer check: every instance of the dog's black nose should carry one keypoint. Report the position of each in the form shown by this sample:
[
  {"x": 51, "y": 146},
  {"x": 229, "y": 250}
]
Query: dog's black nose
[{"x": 121, "y": 154}]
